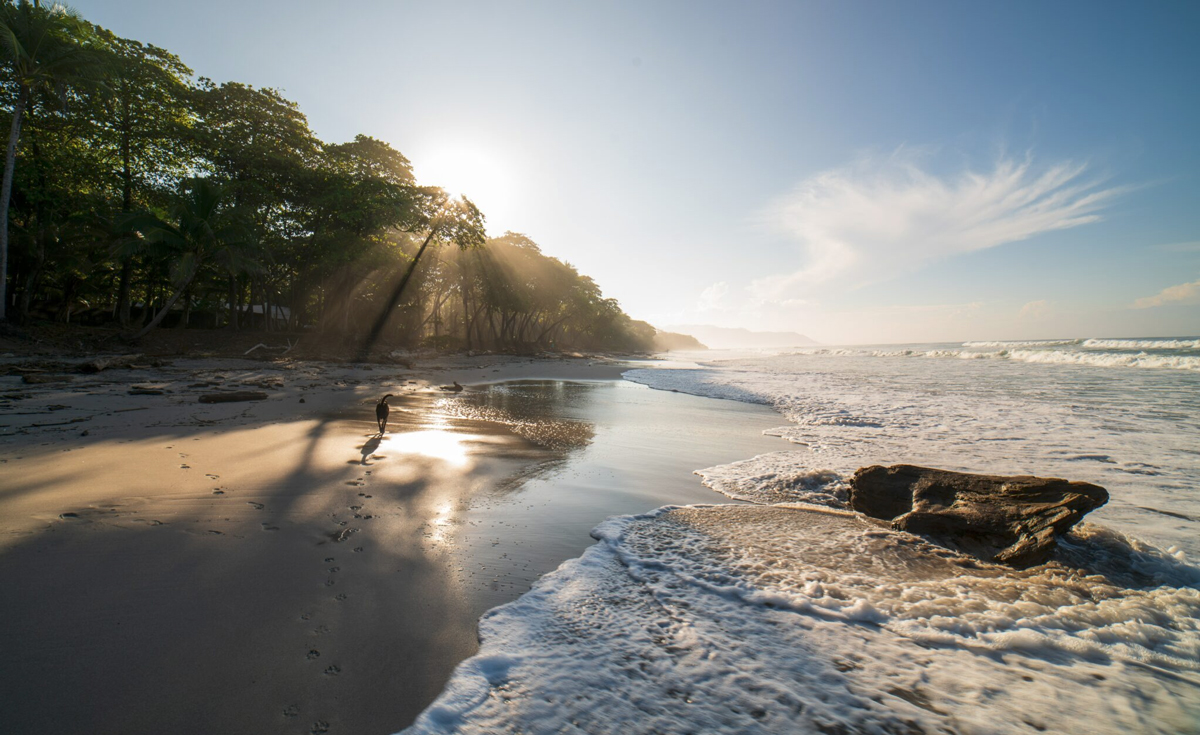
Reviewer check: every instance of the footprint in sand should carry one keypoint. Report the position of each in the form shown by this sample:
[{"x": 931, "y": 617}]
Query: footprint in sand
[
  {"x": 215, "y": 533},
  {"x": 211, "y": 476},
  {"x": 358, "y": 549},
  {"x": 333, "y": 670},
  {"x": 184, "y": 467},
  {"x": 291, "y": 711},
  {"x": 269, "y": 527},
  {"x": 329, "y": 582},
  {"x": 319, "y": 728},
  {"x": 257, "y": 506},
  {"x": 342, "y": 597},
  {"x": 306, "y": 616},
  {"x": 334, "y": 570},
  {"x": 218, "y": 491},
  {"x": 328, "y": 559},
  {"x": 320, "y": 630},
  {"x": 314, "y": 653}
]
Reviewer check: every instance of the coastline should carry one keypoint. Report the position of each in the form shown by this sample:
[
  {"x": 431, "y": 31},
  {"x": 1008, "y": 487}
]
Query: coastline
[{"x": 206, "y": 589}]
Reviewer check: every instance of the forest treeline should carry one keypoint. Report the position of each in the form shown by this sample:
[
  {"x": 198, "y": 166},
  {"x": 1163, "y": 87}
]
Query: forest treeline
[{"x": 138, "y": 194}]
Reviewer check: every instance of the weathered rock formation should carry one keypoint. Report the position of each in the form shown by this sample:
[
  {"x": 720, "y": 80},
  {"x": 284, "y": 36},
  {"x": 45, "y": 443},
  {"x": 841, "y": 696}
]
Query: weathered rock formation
[{"x": 1009, "y": 520}]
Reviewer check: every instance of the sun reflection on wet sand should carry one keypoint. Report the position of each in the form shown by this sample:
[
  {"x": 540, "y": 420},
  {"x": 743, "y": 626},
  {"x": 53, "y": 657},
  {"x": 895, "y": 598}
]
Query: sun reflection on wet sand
[{"x": 448, "y": 446}]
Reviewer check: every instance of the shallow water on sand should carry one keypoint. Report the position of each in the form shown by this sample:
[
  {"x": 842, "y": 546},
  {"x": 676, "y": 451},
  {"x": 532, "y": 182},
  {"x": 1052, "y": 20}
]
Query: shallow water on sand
[
  {"x": 785, "y": 618},
  {"x": 275, "y": 567}
]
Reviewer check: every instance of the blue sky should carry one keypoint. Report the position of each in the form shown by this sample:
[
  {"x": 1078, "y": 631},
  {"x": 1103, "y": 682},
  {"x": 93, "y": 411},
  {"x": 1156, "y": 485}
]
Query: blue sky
[{"x": 859, "y": 172}]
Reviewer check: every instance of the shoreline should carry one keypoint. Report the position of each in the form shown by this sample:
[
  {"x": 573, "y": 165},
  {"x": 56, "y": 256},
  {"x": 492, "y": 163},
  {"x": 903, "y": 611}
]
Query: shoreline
[{"x": 171, "y": 577}]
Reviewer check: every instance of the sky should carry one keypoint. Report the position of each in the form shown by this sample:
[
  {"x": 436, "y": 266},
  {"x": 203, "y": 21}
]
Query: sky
[{"x": 859, "y": 172}]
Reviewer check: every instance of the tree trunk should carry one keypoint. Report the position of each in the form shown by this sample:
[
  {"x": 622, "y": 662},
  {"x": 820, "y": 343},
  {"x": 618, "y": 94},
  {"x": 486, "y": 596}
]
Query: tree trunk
[
  {"x": 123, "y": 292},
  {"x": 10, "y": 163},
  {"x": 187, "y": 310},
  {"x": 233, "y": 315},
  {"x": 166, "y": 307},
  {"x": 127, "y": 207}
]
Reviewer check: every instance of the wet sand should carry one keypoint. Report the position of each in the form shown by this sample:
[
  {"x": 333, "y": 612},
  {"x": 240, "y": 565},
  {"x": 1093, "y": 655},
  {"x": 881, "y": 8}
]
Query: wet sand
[{"x": 269, "y": 567}]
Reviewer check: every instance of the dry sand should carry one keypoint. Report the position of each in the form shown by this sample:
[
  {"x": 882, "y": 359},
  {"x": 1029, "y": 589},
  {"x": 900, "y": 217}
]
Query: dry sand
[{"x": 172, "y": 566}]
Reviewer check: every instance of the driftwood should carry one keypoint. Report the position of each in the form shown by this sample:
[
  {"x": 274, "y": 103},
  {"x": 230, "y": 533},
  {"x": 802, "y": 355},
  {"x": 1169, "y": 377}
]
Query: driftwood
[
  {"x": 261, "y": 346},
  {"x": 233, "y": 397},
  {"x": 113, "y": 361},
  {"x": 39, "y": 378}
]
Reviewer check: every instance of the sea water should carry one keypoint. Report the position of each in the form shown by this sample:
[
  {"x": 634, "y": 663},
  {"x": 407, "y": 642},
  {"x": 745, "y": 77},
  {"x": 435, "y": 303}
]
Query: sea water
[{"x": 791, "y": 614}]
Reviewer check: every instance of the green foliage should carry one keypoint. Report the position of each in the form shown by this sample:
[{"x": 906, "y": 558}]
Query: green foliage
[{"x": 140, "y": 192}]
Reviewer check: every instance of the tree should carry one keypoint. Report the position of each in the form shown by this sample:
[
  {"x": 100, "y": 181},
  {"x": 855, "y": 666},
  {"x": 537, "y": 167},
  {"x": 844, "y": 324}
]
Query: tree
[
  {"x": 456, "y": 221},
  {"x": 259, "y": 145},
  {"x": 203, "y": 229},
  {"x": 146, "y": 116},
  {"x": 44, "y": 52}
]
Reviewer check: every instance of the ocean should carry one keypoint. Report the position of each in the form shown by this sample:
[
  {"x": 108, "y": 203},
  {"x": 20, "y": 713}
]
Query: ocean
[{"x": 784, "y": 612}]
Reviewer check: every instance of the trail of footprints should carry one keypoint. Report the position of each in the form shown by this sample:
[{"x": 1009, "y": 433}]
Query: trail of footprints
[{"x": 342, "y": 531}]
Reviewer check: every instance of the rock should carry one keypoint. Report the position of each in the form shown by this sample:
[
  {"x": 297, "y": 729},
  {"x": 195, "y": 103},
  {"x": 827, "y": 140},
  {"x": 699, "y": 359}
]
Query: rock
[
  {"x": 233, "y": 397},
  {"x": 1008, "y": 520}
]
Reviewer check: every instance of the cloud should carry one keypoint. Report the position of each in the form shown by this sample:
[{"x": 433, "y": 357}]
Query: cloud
[
  {"x": 713, "y": 297},
  {"x": 1183, "y": 294},
  {"x": 879, "y": 218},
  {"x": 1035, "y": 310}
]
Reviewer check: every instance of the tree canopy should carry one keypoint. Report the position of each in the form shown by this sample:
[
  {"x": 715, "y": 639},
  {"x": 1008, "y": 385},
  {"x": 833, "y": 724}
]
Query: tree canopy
[{"x": 141, "y": 195}]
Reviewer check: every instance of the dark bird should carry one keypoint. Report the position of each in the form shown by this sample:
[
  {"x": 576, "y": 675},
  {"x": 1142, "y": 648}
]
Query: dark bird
[
  {"x": 456, "y": 388},
  {"x": 381, "y": 413}
]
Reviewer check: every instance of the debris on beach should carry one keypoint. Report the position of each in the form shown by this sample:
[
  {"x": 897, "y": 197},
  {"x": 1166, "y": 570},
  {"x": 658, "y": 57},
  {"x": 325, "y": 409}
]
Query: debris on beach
[
  {"x": 143, "y": 391},
  {"x": 42, "y": 378},
  {"x": 112, "y": 361},
  {"x": 233, "y": 396},
  {"x": 1013, "y": 520}
]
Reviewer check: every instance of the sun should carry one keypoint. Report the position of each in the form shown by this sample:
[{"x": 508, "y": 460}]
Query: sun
[{"x": 464, "y": 170}]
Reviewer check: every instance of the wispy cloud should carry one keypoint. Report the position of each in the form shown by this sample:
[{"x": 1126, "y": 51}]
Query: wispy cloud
[
  {"x": 1183, "y": 294},
  {"x": 880, "y": 218},
  {"x": 1035, "y": 310},
  {"x": 713, "y": 297}
]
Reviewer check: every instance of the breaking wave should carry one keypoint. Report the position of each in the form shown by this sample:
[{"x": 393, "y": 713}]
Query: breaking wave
[
  {"x": 763, "y": 619},
  {"x": 1165, "y": 354},
  {"x": 790, "y": 614}
]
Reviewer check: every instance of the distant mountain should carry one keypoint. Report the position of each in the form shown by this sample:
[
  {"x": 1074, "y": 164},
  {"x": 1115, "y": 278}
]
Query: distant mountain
[
  {"x": 725, "y": 338},
  {"x": 668, "y": 341}
]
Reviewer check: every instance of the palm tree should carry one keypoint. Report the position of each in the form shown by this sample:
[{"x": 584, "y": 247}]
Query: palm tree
[
  {"x": 43, "y": 51},
  {"x": 204, "y": 229}
]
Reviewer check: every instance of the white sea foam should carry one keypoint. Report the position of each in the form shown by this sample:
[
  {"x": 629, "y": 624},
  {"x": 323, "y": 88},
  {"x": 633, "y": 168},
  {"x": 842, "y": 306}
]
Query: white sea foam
[
  {"x": 1011, "y": 352},
  {"x": 1026, "y": 343},
  {"x": 1144, "y": 344},
  {"x": 776, "y": 617},
  {"x": 755, "y": 619},
  {"x": 775, "y": 478},
  {"x": 1135, "y": 433}
]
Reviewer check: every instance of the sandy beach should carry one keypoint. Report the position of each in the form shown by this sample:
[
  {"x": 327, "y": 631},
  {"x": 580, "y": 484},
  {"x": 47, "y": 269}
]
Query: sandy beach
[{"x": 269, "y": 566}]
